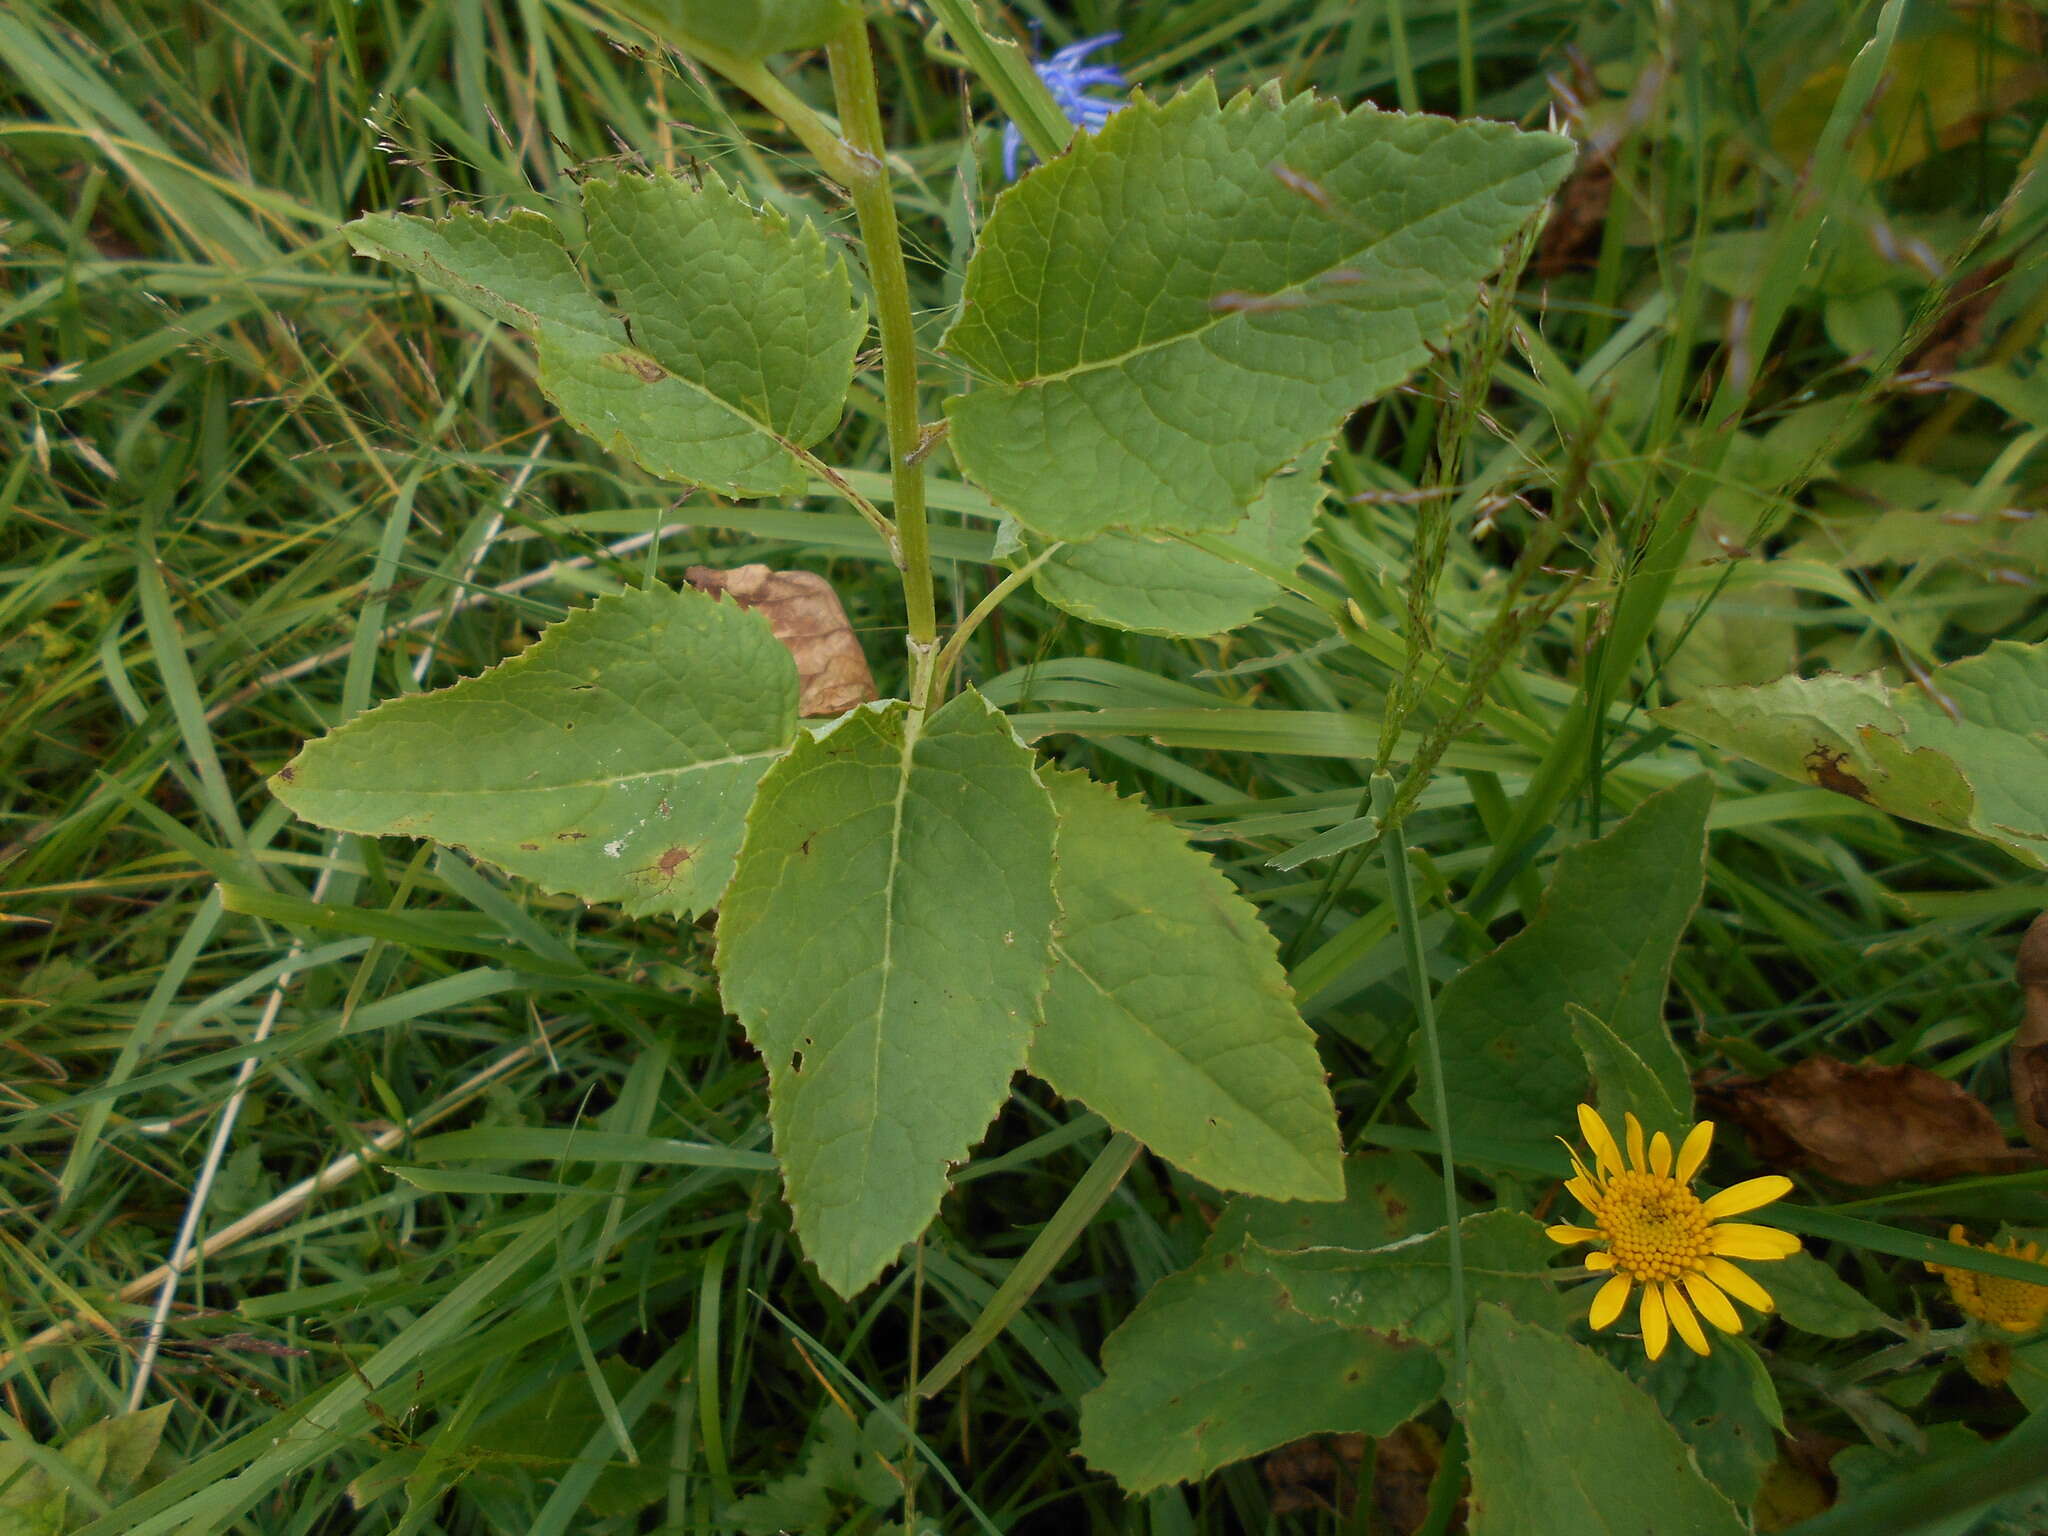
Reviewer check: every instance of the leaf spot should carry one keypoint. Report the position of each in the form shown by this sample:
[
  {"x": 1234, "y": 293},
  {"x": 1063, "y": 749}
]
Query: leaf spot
[
  {"x": 646, "y": 369},
  {"x": 1825, "y": 764},
  {"x": 570, "y": 837}
]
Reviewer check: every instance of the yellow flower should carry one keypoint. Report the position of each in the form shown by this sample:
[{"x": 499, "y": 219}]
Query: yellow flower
[
  {"x": 2016, "y": 1306},
  {"x": 1658, "y": 1234}
]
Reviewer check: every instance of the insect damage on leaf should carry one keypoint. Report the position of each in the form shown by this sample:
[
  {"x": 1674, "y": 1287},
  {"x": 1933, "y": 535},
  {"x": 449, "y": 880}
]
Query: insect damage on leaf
[{"x": 1825, "y": 766}]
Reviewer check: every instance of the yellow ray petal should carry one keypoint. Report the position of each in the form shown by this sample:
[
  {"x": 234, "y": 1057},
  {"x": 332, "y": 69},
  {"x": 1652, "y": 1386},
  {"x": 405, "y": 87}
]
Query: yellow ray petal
[
  {"x": 1600, "y": 1139},
  {"x": 1747, "y": 1196},
  {"x": 1694, "y": 1152},
  {"x": 1660, "y": 1155},
  {"x": 1742, "y": 1240},
  {"x": 1609, "y": 1300},
  {"x": 1582, "y": 1191},
  {"x": 1682, "y": 1319},
  {"x": 1635, "y": 1140},
  {"x": 1578, "y": 1163},
  {"x": 1565, "y": 1234},
  {"x": 1601, "y": 1260},
  {"x": 1580, "y": 1169},
  {"x": 1738, "y": 1283},
  {"x": 1713, "y": 1306},
  {"x": 1655, "y": 1320}
]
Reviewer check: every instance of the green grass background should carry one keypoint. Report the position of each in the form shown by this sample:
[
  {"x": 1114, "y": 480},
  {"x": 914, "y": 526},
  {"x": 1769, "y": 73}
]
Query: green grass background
[{"x": 252, "y": 485}]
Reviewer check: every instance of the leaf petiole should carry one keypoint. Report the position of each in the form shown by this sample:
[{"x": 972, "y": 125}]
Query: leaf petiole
[{"x": 949, "y": 654}]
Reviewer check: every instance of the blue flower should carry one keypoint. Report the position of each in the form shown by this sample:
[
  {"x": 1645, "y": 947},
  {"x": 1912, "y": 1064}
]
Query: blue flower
[{"x": 1067, "y": 74}]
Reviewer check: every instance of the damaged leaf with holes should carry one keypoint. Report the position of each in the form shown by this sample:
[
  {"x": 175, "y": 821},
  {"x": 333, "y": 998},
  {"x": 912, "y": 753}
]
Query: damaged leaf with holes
[{"x": 1965, "y": 750}]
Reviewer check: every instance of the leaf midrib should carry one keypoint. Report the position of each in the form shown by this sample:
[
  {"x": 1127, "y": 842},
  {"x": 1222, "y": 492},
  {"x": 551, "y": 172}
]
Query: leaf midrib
[{"x": 601, "y": 783}]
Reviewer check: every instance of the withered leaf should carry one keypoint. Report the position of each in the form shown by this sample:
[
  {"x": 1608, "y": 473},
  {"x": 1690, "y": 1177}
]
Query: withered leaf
[
  {"x": 1864, "y": 1124},
  {"x": 805, "y": 614}
]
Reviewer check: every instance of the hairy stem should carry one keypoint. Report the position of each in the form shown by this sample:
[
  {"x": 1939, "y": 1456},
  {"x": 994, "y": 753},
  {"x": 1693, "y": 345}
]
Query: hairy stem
[{"x": 874, "y": 204}]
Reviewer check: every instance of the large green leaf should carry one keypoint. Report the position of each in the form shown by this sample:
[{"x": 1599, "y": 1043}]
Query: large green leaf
[
  {"x": 612, "y": 759},
  {"x": 1159, "y": 585},
  {"x": 1169, "y": 1014},
  {"x": 1184, "y": 302},
  {"x": 1603, "y": 940},
  {"x": 885, "y": 942},
  {"x": 1562, "y": 1444},
  {"x": 752, "y": 29},
  {"x": 1216, "y": 1365},
  {"x": 1403, "y": 1286},
  {"x": 1967, "y": 751},
  {"x": 734, "y": 336}
]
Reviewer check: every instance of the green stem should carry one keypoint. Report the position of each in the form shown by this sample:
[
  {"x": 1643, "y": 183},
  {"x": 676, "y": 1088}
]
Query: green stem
[
  {"x": 1045, "y": 1252},
  {"x": 1394, "y": 849},
  {"x": 874, "y": 204},
  {"x": 949, "y": 657}
]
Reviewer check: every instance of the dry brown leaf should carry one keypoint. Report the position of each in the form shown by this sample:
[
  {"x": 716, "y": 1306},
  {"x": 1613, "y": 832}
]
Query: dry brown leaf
[
  {"x": 805, "y": 614},
  {"x": 1864, "y": 1124},
  {"x": 2030, "y": 1045}
]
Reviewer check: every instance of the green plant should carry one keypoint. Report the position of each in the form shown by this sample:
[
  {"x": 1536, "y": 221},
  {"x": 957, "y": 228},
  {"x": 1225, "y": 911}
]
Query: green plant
[{"x": 909, "y": 910}]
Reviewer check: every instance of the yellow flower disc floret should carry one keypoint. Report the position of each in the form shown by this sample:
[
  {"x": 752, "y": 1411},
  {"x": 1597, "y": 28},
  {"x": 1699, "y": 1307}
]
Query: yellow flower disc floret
[
  {"x": 2012, "y": 1306},
  {"x": 1651, "y": 1230},
  {"x": 1656, "y": 1228}
]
